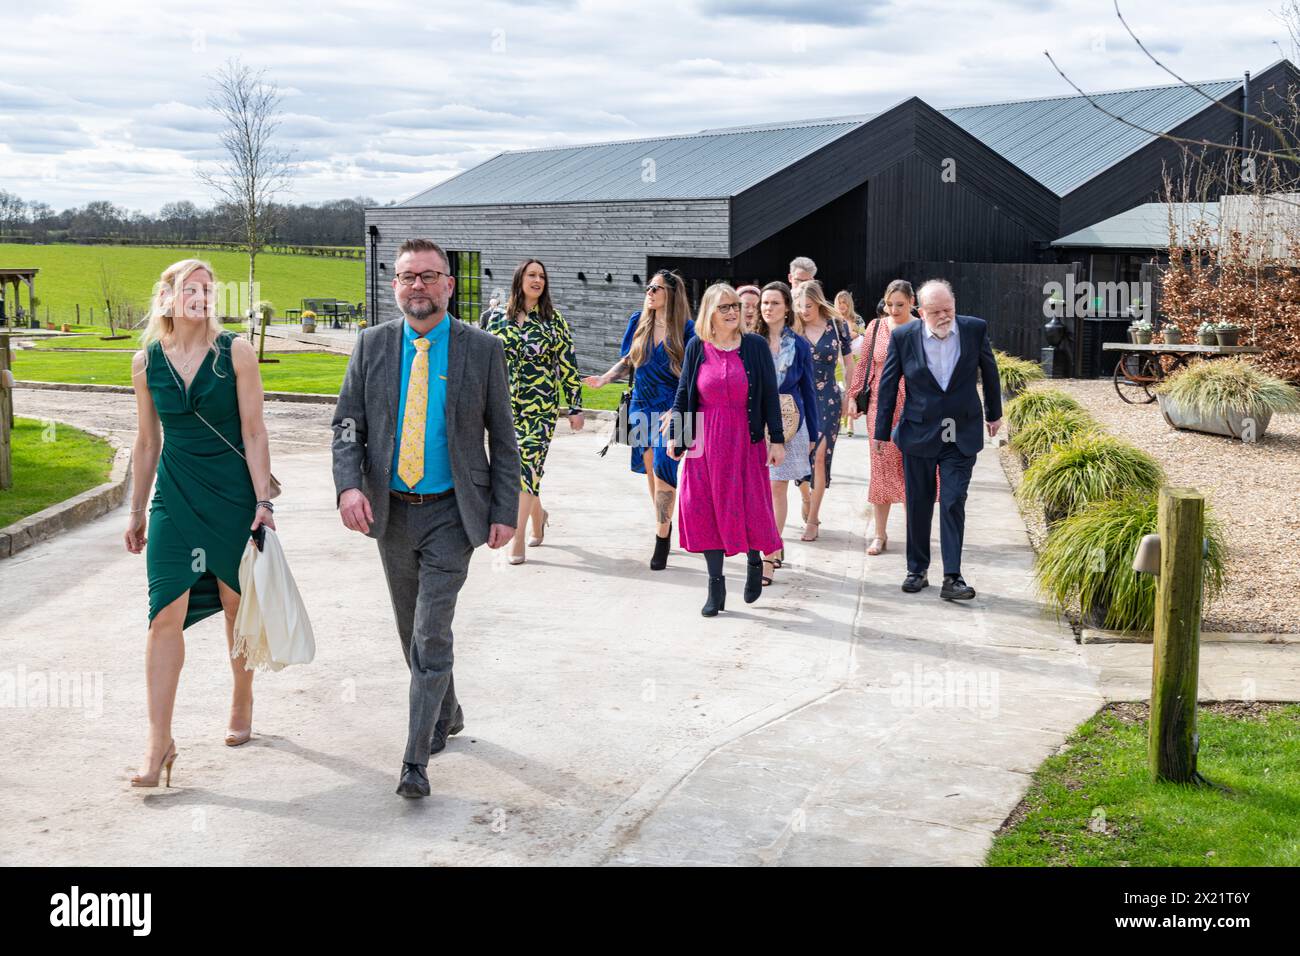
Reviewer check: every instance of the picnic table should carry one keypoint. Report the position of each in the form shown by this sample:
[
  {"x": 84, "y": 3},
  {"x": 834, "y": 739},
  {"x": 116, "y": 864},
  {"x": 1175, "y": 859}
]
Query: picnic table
[{"x": 1140, "y": 366}]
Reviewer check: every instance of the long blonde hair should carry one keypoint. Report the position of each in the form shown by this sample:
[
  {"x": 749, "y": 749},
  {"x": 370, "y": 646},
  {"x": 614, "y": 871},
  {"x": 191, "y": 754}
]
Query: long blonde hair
[
  {"x": 812, "y": 291},
  {"x": 166, "y": 294},
  {"x": 709, "y": 302},
  {"x": 677, "y": 311}
]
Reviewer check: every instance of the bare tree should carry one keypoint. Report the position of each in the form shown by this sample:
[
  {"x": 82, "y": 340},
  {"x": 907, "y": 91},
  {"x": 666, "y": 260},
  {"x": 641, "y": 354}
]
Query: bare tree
[{"x": 254, "y": 171}]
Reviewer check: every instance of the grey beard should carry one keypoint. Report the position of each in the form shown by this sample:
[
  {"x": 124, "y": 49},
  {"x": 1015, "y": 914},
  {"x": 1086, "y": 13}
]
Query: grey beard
[{"x": 419, "y": 311}]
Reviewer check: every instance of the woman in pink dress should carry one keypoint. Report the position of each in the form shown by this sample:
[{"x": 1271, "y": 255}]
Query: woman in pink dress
[
  {"x": 725, "y": 410},
  {"x": 886, "y": 487}
]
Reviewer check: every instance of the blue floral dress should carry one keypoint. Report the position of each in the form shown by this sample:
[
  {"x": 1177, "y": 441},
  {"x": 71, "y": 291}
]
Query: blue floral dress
[
  {"x": 654, "y": 386},
  {"x": 827, "y": 351}
]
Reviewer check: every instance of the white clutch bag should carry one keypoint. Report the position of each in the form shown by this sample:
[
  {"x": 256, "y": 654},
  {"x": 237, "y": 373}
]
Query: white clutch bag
[{"x": 272, "y": 629}]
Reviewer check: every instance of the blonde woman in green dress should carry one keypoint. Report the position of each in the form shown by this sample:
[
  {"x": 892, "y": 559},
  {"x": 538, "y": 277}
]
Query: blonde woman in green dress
[{"x": 200, "y": 432}]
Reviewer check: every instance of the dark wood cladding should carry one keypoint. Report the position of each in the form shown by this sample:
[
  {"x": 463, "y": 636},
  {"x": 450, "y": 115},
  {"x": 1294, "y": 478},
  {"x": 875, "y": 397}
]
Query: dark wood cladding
[{"x": 592, "y": 238}]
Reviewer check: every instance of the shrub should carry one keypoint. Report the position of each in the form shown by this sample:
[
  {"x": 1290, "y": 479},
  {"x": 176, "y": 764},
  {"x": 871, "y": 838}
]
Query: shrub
[
  {"x": 1016, "y": 373},
  {"x": 1091, "y": 467},
  {"x": 1057, "y": 426},
  {"x": 1028, "y": 405},
  {"x": 1087, "y": 562},
  {"x": 1235, "y": 385}
]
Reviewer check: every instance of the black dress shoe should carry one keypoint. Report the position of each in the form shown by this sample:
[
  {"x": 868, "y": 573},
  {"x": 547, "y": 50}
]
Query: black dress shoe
[
  {"x": 414, "y": 782},
  {"x": 441, "y": 732},
  {"x": 753, "y": 581},
  {"x": 955, "y": 589},
  {"x": 659, "y": 560},
  {"x": 717, "y": 597},
  {"x": 914, "y": 582}
]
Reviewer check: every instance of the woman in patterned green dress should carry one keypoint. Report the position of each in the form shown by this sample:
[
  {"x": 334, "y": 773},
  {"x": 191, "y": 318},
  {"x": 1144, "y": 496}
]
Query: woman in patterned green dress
[
  {"x": 199, "y": 402},
  {"x": 542, "y": 369}
]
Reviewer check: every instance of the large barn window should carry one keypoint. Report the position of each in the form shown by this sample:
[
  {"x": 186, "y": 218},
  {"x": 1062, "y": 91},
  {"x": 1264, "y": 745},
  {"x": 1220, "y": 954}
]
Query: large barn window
[{"x": 468, "y": 299}]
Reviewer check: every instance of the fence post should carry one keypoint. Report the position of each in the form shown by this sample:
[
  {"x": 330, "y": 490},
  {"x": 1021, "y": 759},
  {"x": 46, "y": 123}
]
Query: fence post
[
  {"x": 6, "y": 415},
  {"x": 1172, "y": 741}
]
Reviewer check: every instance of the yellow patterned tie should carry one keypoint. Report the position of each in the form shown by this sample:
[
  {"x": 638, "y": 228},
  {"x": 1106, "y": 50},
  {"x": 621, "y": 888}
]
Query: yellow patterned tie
[{"x": 410, "y": 460}]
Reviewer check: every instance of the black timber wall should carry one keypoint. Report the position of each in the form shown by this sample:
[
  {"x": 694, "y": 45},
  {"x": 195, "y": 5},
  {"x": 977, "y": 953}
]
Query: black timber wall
[{"x": 594, "y": 238}]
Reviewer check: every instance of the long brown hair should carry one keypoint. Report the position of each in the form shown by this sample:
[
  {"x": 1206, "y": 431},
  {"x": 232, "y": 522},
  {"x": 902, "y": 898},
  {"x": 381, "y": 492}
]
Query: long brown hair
[
  {"x": 515, "y": 304},
  {"x": 678, "y": 310},
  {"x": 760, "y": 326}
]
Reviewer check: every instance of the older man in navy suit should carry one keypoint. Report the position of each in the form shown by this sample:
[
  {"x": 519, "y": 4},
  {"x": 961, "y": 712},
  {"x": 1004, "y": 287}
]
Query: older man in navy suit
[{"x": 940, "y": 358}]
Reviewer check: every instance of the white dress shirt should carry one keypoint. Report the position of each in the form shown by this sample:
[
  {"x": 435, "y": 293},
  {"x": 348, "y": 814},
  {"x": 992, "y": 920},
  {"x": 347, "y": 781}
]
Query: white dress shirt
[{"x": 941, "y": 354}]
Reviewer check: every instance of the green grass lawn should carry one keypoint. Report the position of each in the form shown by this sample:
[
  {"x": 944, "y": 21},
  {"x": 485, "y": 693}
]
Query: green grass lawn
[
  {"x": 49, "y": 471},
  {"x": 70, "y": 275},
  {"x": 1094, "y": 806},
  {"x": 318, "y": 372},
  {"x": 93, "y": 337}
]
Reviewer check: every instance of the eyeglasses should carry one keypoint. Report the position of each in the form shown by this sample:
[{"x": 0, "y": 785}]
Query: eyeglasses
[
  {"x": 729, "y": 307},
  {"x": 428, "y": 278}
]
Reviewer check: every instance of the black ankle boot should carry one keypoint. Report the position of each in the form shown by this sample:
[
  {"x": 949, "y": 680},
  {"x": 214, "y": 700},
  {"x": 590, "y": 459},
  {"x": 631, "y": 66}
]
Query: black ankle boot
[
  {"x": 717, "y": 597},
  {"x": 662, "y": 546},
  {"x": 753, "y": 581}
]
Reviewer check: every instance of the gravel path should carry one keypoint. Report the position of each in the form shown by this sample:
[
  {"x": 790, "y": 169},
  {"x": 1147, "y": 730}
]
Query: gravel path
[{"x": 1251, "y": 488}]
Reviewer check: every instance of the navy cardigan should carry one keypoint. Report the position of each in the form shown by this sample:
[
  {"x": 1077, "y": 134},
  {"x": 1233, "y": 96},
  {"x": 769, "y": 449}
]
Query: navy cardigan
[
  {"x": 760, "y": 370},
  {"x": 799, "y": 383}
]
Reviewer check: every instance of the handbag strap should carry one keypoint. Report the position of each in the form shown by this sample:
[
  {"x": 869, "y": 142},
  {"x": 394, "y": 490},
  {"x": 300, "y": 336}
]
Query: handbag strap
[{"x": 871, "y": 354}]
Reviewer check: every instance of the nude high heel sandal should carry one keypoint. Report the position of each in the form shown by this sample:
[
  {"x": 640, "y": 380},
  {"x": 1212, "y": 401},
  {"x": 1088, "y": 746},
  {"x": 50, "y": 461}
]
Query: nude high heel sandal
[
  {"x": 168, "y": 759},
  {"x": 537, "y": 541}
]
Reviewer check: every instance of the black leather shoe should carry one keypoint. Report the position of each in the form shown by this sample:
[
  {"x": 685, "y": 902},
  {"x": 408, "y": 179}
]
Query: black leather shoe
[
  {"x": 717, "y": 597},
  {"x": 662, "y": 545},
  {"x": 914, "y": 582},
  {"x": 441, "y": 732},
  {"x": 753, "y": 581},
  {"x": 414, "y": 782},
  {"x": 955, "y": 589}
]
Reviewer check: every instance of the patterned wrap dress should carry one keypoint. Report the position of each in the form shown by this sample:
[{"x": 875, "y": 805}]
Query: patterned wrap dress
[
  {"x": 203, "y": 501},
  {"x": 541, "y": 366},
  {"x": 654, "y": 385},
  {"x": 827, "y": 352}
]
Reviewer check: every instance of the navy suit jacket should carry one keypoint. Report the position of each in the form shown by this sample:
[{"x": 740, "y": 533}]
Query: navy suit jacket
[{"x": 932, "y": 416}]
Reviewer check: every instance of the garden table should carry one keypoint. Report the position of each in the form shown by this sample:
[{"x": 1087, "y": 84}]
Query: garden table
[{"x": 1140, "y": 366}]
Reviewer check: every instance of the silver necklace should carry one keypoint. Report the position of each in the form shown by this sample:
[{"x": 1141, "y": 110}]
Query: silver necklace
[{"x": 189, "y": 362}]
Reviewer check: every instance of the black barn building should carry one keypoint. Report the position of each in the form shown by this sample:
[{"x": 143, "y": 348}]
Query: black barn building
[{"x": 977, "y": 194}]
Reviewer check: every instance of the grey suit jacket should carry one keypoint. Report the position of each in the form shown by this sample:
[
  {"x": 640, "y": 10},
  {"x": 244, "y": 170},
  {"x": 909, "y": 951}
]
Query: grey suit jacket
[{"x": 478, "y": 407}]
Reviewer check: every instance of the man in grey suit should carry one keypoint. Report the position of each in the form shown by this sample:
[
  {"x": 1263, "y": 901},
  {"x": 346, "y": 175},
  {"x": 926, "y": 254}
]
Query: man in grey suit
[{"x": 411, "y": 471}]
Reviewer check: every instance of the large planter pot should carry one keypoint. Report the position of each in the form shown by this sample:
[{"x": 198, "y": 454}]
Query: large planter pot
[
  {"x": 1141, "y": 338},
  {"x": 1172, "y": 335},
  {"x": 1229, "y": 423},
  {"x": 1207, "y": 338},
  {"x": 1227, "y": 338},
  {"x": 309, "y": 325}
]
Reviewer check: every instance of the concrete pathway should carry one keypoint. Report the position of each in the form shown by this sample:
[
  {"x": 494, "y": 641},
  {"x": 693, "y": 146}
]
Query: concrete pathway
[{"x": 837, "y": 720}]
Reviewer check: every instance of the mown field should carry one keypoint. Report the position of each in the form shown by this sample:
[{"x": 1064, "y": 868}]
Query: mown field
[{"x": 70, "y": 275}]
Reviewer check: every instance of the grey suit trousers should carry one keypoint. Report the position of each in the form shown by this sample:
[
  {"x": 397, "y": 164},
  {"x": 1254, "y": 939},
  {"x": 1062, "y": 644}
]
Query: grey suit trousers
[{"x": 425, "y": 553}]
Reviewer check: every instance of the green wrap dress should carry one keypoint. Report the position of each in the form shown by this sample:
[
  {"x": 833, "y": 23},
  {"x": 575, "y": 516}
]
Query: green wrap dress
[{"x": 203, "y": 501}]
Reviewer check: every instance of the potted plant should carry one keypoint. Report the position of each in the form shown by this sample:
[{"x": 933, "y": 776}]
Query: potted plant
[
  {"x": 1227, "y": 333},
  {"x": 1141, "y": 332},
  {"x": 1055, "y": 427},
  {"x": 1090, "y": 467},
  {"x": 1232, "y": 397},
  {"x": 1205, "y": 334},
  {"x": 1173, "y": 335},
  {"x": 1087, "y": 562},
  {"x": 1015, "y": 373},
  {"x": 1033, "y": 402},
  {"x": 308, "y": 321}
]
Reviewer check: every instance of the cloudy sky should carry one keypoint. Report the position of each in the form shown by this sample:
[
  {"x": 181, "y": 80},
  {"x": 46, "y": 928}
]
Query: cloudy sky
[{"x": 107, "y": 99}]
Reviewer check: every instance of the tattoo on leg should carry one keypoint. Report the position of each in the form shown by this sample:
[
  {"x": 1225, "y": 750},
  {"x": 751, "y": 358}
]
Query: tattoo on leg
[{"x": 663, "y": 506}]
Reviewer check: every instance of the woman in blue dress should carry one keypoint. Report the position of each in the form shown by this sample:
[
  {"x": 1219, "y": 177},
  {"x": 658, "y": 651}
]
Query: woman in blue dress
[{"x": 652, "y": 351}]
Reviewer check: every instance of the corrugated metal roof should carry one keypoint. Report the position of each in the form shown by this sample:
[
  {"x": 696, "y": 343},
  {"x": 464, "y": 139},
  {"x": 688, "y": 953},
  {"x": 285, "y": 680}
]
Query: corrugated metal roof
[
  {"x": 694, "y": 166},
  {"x": 1065, "y": 141},
  {"x": 1061, "y": 141},
  {"x": 1142, "y": 227}
]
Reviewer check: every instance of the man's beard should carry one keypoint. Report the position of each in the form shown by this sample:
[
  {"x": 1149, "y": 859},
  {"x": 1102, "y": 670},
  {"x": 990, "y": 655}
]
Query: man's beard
[{"x": 420, "y": 308}]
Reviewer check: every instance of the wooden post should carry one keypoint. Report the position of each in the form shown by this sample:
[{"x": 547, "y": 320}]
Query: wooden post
[
  {"x": 1172, "y": 740},
  {"x": 78, "y": 313},
  {"x": 6, "y": 416}
]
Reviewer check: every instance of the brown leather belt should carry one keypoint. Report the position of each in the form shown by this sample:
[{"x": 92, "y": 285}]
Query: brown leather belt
[{"x": 416, "y": 499}]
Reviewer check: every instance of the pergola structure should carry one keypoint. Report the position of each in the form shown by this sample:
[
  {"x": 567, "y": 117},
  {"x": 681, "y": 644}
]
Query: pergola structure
[{"x": 16, "y": 277}]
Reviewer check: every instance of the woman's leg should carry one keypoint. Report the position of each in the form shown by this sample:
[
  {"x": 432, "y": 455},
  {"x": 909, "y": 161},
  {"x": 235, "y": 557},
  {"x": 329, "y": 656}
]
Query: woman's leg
[
  {"x": 780, "y": 503},
  {"x": 818, "y": 482},
  {"x": 713, "y": 561},
  {"x": 538, "y": 516},
  {"x": 526, "y": 504},
  {"x": 241, "y": 698},
  {"x": 665, "y": 502},
  {"x": 163, "y": 657}
]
